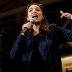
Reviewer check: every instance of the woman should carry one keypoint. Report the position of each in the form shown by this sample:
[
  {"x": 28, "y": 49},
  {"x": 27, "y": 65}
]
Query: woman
[{"x": 38, "y": 48}]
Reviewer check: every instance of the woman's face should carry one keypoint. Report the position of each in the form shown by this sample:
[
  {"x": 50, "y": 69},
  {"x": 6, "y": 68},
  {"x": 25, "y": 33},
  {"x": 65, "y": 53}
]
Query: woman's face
[{"x": 34, "y": 11}]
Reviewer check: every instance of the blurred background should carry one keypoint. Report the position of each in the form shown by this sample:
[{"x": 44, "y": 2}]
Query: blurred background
[{"x": 12, "y": 14}]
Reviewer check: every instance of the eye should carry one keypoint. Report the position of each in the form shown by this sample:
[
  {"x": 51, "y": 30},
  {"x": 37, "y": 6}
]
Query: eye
[
  {"x": 38, "y": 9},
  {"x": 29, "y": 10}
]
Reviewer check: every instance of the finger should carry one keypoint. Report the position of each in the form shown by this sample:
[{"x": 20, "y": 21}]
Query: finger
[
  {"x": 61, "y": 12},
  {"x": 64, "y": 15}
]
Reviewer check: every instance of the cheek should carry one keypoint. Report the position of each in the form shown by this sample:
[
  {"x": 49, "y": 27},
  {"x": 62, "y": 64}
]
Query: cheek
[
  {"x": 41, "y": 17},
  {"x": 28, "y": 17}
]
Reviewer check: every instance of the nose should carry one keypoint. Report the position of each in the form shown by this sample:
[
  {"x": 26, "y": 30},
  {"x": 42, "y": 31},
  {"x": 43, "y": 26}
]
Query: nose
[{"x": 34, "y": 10}]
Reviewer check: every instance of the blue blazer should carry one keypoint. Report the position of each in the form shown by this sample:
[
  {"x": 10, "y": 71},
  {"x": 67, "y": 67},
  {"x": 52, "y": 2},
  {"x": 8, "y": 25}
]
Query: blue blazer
[{"x": 47, "y": 45}]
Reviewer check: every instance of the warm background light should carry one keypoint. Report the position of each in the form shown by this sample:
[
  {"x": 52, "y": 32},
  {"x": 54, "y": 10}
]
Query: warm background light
[{"x": 67, "y": 63}]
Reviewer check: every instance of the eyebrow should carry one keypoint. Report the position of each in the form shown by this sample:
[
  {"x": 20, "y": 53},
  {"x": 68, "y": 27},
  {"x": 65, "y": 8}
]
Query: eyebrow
[{"x": 32, "y": 8}]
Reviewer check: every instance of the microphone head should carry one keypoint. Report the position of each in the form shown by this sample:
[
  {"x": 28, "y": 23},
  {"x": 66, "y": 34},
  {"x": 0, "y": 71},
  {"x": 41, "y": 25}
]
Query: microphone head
[{"x": 32, "y": 21}]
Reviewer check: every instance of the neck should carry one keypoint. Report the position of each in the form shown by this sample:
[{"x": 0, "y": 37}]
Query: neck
[{"x": 36, "y": 29}]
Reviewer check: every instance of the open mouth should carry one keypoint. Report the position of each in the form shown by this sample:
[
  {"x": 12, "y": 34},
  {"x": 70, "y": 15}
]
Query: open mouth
[{"x": 34, "y": 16}]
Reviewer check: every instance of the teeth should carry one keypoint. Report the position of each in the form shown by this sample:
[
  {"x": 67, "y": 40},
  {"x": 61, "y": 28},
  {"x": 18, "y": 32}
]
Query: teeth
[{"x": 35, "y": 17}]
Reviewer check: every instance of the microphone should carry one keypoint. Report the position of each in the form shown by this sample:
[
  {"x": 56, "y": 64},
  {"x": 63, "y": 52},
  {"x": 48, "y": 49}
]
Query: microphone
[{"x": 32, "y": 21}]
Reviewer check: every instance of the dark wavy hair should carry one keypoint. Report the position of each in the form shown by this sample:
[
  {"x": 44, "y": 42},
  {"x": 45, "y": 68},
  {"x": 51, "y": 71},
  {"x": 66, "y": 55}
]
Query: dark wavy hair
[{"x": 45, "y": 24}]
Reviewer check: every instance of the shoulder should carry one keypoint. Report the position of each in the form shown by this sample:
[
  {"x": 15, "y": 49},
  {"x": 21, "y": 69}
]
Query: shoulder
[
  {"x": 56, "y": 30},
  {"x": 54, "y": 27}
]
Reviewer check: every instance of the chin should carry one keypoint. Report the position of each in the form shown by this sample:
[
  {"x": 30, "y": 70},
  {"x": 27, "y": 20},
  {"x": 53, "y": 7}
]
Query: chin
[{"x": 37, "y": 23}]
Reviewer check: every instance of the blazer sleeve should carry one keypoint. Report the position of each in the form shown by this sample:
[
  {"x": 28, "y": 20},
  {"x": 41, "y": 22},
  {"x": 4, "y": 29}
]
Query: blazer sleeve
[
  {"x": 16, "y": 46},
  {"x": 68, "y": 32},
  {"x": 65, "y": 34}
]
